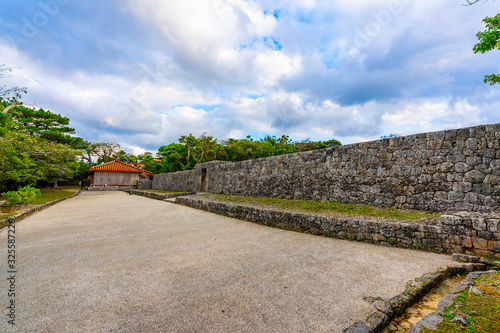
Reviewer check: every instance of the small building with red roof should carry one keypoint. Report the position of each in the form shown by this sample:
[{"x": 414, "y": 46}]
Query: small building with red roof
[{"x": 116, "y": 173}]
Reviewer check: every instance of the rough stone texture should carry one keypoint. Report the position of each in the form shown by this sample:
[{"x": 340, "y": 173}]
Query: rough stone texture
[
  {"x": 358, "y": 328},
  {"x": 450, "y": 170},
  {"x": 144, "y": 184},
  {"x": 430, "y": 321},
  {"x": 155, "y": 195},
  {"x": 450, "y": 234}
]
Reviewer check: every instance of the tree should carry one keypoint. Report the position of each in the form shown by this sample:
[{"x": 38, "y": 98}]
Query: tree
[
  {"x": 172, "y": 156},
  {"x": 106, "y": 151},
  {"x": 205, "y": 149},
  {"x": 489, "y": 40},
  {"x": 9, "y": 97},
  {"x": 471, "y": 2},
  {"x": 189, "y": 141},
  {"x": 45, "y": 124}
]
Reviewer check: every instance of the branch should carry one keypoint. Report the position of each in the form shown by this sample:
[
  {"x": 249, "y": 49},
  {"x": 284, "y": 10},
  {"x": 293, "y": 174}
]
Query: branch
[
  {"x": 469, "y": 3},
  {"x": 16, "y": 103}
]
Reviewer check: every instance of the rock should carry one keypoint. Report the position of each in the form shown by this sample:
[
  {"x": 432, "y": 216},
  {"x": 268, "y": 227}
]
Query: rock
[
  {"x": 358, "y": 328},
  {"x": 445, "y": 302},
  {"x": 377, "y": 321},
  {"x": 463, "y": 285},
  {"x": 462, "y": 320},
  {"x": 450, "y": 219},
  {"x": 430, "y": 321},
  {"x": 476, "y": 291},
  {"x": 464, "y": 257},
  {"x": 383, "y": 307}
]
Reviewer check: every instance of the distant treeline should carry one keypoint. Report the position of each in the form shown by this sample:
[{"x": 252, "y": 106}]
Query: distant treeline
[{"x": 191, "y": 150}]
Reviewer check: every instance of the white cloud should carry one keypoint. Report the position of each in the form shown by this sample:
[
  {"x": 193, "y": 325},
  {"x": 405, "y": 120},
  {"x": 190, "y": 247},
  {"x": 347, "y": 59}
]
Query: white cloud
[{"x": 230, "y": 68}]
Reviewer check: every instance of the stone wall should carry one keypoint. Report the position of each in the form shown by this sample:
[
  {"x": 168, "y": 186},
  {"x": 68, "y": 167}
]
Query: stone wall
[
  {"x": 183, "y": 181},
  {"x": 144, "y": 184},
  {"x": 453, "y": 170}
]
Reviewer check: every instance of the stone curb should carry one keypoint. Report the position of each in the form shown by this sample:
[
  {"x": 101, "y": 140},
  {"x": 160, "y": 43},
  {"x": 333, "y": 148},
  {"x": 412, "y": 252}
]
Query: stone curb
[
  {"x": 433, "y": 319},
  {"x": 384, "y": 311},
  {"x": 156, "y": 195},
  {"x": 29, "y": 211}
]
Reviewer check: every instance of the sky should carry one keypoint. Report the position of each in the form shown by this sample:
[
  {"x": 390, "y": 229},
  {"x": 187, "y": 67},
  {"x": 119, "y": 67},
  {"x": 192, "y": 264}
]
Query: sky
[{"x": 141, "y": 73}]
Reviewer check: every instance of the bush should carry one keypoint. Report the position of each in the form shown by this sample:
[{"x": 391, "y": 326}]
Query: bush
[{"x": 23, "y": 195}]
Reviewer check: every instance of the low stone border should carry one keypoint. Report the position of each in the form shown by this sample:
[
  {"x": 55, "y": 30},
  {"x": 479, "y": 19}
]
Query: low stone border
[
  {"x": 29, "y": 211},
  {"x": 156, "y": 195},
  {"x": 384, "y": 311},
  {"x": 463, "y": 232},
  {"x": 433, "y": 319}
]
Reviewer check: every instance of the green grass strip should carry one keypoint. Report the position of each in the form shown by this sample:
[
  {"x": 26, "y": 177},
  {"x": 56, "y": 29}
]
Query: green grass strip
[
  {"x": 325, "y": 207},
  {"x": 159, "y": 191},
  {"x": 49, "y": 195}
]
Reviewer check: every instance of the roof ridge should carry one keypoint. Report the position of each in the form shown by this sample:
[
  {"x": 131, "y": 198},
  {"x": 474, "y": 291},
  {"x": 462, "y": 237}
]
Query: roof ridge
[{"x": 95, "y": 167}]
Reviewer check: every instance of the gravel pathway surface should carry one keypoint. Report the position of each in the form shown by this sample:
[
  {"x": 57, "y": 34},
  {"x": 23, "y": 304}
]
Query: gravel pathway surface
[{"x": 111, "y": 262}]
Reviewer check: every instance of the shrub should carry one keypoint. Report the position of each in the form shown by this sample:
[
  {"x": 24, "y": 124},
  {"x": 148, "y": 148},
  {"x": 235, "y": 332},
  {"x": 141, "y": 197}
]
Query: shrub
[{"x": 23, "y": 195}]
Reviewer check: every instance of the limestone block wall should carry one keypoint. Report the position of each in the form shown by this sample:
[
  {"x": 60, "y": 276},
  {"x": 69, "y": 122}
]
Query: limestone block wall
[
  {"x": 144, "y": 184},
  {"x": 452, "y": 170},
  {"x": 183, "y": 181}
]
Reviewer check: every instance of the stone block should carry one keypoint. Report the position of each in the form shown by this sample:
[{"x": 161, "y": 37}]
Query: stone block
[
  {"x": 377, "y": 321},
  {"x": 471, "y": 143},
  {"x": 474, "y": 176},
  {"x": 494, "y": 246},
  {"x": 478, "y": 223},
  {"x": 379, "y": 237},
  {"x": 450, "y": 219},
  {"x": 467, "y": 242},
  {"x": 493, "y": 225},
  {"x": 492, "y": 179},
  {"x": 463, "y": 187},
  {"x": 479, "y": 243},
  {"x": 358, "y": 328}
]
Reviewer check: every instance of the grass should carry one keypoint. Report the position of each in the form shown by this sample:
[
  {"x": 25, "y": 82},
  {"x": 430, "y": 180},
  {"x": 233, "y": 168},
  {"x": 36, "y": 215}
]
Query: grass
[
  {"x": 328, "y": 207},
  {"x": 49, "y": 195},
  {"x": 6, "y": 215},
  {"x": 159, "y": 191},
  {"x": 482, "y": 311}
]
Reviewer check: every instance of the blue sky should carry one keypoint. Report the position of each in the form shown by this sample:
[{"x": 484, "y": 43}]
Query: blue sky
[{"x": 142, "y": 73}]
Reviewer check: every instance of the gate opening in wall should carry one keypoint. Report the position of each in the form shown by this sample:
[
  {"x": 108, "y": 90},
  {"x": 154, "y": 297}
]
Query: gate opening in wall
[{"x": 203, "y": 180}]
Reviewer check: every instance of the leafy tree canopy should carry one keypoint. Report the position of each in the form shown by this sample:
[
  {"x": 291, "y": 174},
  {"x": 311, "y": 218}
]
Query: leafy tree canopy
[{"x": 489, "y": 39}]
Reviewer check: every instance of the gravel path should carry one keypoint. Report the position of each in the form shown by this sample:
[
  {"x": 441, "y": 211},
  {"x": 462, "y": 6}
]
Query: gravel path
[{"x": 110, "y": 262}]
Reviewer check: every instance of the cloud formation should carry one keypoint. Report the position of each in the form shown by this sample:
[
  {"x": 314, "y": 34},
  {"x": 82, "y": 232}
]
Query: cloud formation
[{"x": 142, "y": 73}]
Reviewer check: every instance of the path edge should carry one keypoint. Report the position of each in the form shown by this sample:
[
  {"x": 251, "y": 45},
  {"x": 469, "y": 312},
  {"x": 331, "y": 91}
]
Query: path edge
[{"x": 18, "y": 217}]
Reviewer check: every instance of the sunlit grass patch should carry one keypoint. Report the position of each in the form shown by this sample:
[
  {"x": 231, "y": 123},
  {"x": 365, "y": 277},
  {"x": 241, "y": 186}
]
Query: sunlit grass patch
[{"x": 53, "y": 194}]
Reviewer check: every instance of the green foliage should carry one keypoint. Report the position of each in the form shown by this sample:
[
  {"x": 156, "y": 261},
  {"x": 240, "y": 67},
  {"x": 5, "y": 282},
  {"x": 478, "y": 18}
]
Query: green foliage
[
  {"x": 23, "y": 195},
  {"x": 192, "y": 150},
  {"x": 44, "y": 124},
  {"x": 489, "y": 40},
  {"x": 35, "y": 146}
]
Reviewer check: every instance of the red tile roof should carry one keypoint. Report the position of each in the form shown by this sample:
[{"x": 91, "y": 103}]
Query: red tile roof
[{"x": 118, "y": 166}]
